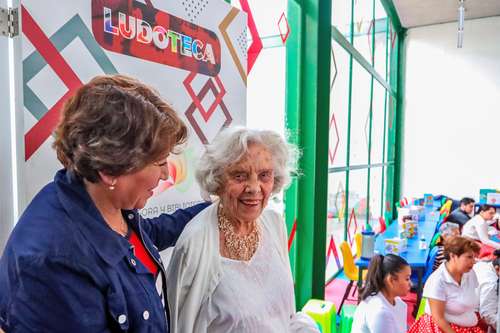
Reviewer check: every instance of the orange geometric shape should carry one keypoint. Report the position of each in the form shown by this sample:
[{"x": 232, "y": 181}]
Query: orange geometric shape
[{"x": 232, "y": 51}]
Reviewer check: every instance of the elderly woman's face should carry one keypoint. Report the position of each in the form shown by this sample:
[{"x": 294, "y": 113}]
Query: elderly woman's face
[
  {"x": 133, "y": 190},
  {"x": 248, "y": 184}
]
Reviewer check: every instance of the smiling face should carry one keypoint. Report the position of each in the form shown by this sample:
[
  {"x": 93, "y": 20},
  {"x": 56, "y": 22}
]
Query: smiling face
[
  {"x": 134, "y": 189},
  {"x": 248, "y": 184}
]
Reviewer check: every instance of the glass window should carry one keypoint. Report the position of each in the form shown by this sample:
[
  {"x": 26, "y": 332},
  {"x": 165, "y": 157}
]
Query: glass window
[
  {"x": 339, "y": 106},
  {"x": 376, "y": 197},
  {"x": 360, "y": 112},
  {"x": 335, "y": 222},
  {"x": 363, "y": 27},
  {"x": 341, "y": 16},
  {"x": 381, "y": 24},
  {"x": 378, "y": 102},
  {"x": 357, "y": 202}
]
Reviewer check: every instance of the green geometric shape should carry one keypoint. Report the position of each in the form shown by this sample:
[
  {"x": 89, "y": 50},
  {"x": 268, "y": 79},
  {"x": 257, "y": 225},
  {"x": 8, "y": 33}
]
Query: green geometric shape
[
  {"x": 34, "y": 63},
  {"x": 346, "y": 318}
]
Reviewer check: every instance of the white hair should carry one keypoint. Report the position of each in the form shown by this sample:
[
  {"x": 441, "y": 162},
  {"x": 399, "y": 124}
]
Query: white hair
[
  {"x": 231, "y": 144},
  {"x": 448, "y": 228}
]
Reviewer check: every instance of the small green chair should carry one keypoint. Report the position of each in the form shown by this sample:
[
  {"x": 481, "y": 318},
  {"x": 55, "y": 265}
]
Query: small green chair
[
  {"x": 421, "y": 308},
  {"x": 346, "y": 318},
  {"x": 323, "y": 313}
]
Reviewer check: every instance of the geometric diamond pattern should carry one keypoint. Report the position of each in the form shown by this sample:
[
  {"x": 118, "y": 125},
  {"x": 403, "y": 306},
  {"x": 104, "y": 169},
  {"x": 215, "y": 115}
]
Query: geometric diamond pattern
[
  {"x": 196, "y": 104},
  {"x": 333, "y": 121},
  {"x": 349, "y": 233},
  {"x": 286, "y": 27},
  {"x": 206, "y": 114}
]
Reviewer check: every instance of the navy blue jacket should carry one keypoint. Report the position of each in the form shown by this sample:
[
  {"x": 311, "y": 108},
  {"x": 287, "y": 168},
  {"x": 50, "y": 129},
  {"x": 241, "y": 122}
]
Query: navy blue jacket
[{"x": 64, "y": 270}]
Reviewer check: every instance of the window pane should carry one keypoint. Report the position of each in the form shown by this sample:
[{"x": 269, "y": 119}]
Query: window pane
[
  {"x": 357, "y": 201},
  {"x": 380, "y": 38},
  {"x": 391, "y": 108},
  {"x": 360, "y": 111},
  {"x": 376, "y": 197},
  {"x": 335, "y": 224},
  {"x": 363, "y": 27},
  {"x": 377, "y": 123},
  {"x": 339, "y": 92},
  {"x": 341, "y": 15}
]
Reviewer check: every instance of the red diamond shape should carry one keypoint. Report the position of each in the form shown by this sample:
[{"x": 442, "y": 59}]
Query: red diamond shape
[
  {"x": 209, "y": 85},
  {"x": 256, "y": 46},
  {"x": 352, "y": 217},
  {"x": 284, "y": 35},
  {"x": 330, "y": 154},
  {"x": 197, "y": 101}
]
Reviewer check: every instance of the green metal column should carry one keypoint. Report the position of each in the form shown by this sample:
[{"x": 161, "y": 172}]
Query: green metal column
[
  {"x": 292, "y": 115},
  {"x": 401, "y": 68},
  {"x": 349, "y": 104},
  {"x": 312, "y": 95}
]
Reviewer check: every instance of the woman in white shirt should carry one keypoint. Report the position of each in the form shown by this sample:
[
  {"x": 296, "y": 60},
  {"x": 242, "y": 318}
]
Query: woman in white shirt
[
  {"x": 451, "y": 292},
  {"x": 487, "y": 276},
  {"x": 230, "y": 270},
  {"x": 477, "y": 227},
  {"x": 381, "y": 309}
]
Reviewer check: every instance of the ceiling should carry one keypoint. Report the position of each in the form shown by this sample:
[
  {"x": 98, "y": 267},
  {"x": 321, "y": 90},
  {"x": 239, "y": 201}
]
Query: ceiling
[{"x": 414, "y": 13}]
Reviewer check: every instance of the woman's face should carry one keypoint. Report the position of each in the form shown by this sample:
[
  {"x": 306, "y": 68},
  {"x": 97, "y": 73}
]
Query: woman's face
[
  {"x": 247, "y": 184},
  {"x": 464, "y": 262},
  {"x": 488, "y": 215},
  {"x": 133, "y": 190},
  {"x": 400, "y": 283}
]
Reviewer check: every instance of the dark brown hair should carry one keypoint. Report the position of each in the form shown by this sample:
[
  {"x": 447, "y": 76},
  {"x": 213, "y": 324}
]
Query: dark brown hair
[
  {"x": 380, "y": 266},
  {"x": 459, "y": 245},
  {"x": 116, "y": 125}
]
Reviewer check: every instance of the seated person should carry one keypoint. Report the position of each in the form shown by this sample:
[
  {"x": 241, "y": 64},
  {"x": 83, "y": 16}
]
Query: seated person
[
  {"x": 463, "y": 213},
  {"x": 451, "y": 292},
  {"x": 487, "y": 275},
  {"x": 446, "y": 230},
  {"x": 230, "y": 270},
  {"x": 381, "y": 309},
  {"x": 477, "y": 227}
]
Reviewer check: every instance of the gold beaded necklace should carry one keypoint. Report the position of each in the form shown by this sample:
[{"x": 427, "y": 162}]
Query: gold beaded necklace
[{"x": 235, "y": 246}]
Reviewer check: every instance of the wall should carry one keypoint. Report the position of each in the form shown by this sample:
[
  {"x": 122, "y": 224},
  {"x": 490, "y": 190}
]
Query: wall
[{"x": 451, "y": 109}]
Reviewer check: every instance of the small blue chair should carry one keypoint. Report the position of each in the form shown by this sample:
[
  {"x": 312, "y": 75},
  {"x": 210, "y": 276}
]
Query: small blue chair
[{"x": 430, "y": 263}]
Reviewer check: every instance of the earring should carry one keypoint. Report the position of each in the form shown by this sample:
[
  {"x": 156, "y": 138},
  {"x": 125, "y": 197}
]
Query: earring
[{"x": 112, "y": 186}]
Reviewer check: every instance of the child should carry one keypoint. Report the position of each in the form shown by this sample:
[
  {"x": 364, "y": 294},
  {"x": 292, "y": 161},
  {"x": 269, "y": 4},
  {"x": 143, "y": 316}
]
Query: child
[{"x": 381, "y": 309}]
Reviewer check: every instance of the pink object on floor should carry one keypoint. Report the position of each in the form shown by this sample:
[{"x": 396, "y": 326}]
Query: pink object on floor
[{"x": 335, "y": 290}]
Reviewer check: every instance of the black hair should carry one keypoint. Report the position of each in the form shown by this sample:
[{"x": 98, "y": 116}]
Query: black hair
[
  {"x": 496, "y": 261},
  {"x": 466, "y": 201},
  {"x": 381, "y": 266},
  {"x": 485, "y": 208}
]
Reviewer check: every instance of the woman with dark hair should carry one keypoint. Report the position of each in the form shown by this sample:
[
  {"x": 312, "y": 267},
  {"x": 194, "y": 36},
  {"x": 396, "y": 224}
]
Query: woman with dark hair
[
  {"x": 381, "y": 309},
  {"x": 81, "y": 258},
  {"x": 451, "y": 292}
]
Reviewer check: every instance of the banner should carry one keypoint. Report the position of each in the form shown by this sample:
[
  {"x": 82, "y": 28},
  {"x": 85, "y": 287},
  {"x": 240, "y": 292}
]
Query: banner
[{"x": 193, "y": 52}]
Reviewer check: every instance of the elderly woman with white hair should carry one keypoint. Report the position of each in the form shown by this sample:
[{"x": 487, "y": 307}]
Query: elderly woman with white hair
[{"x": 230, "y": 270}]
